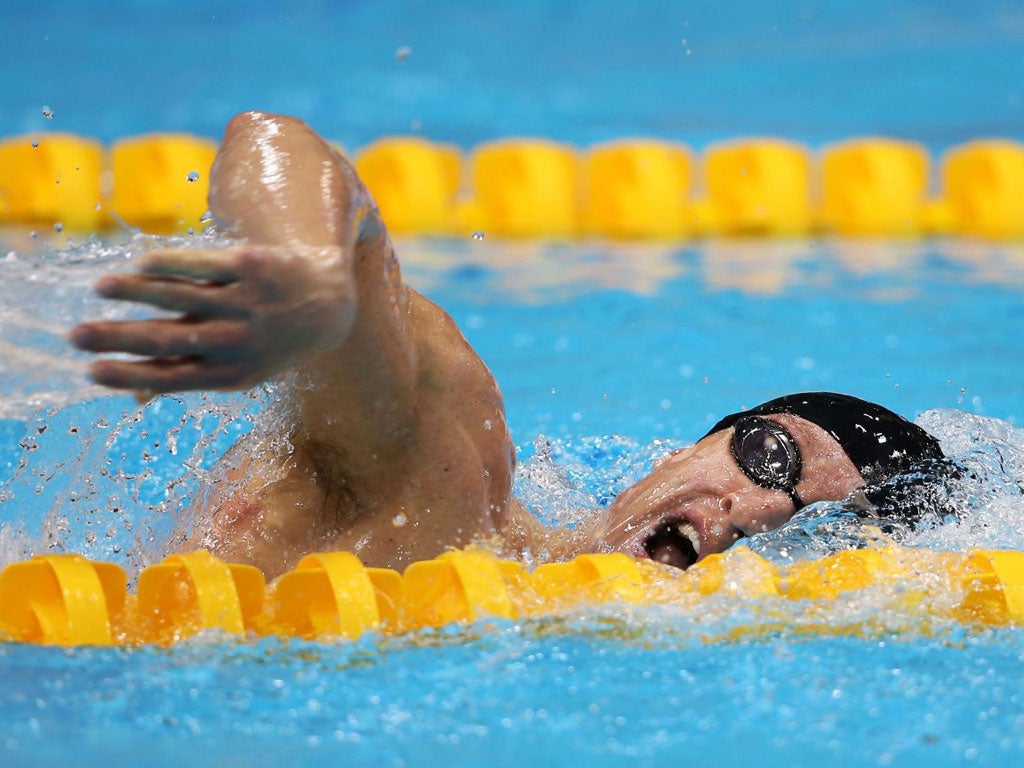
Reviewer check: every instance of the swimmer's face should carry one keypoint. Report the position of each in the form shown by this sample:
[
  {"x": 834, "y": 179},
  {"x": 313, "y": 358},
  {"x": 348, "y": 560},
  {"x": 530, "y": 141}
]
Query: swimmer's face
[{"x": 699, "y": 500}]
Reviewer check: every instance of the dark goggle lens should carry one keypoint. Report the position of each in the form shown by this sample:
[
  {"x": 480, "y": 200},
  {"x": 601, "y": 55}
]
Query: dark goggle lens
[{"x": 766, "y": 453}]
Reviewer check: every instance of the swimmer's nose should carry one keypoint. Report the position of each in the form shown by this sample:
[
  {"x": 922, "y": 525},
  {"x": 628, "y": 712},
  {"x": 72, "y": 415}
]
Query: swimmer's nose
[
  {"x": 747, "y": 514},
  {"x": 719, "y": 526}
]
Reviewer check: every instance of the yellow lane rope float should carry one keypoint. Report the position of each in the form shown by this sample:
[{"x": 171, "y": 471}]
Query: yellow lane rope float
[
  {"x": 69, "y": 600},
  {"x": 534, "y": 188}
]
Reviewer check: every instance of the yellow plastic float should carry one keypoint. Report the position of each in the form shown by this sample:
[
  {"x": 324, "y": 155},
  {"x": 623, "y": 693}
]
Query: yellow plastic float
[
  {"x": 995, "y": 587},
  {"x": 188, "y": 593},
  {"x": 638, "y": 188},
  {"x": 68, "y": 600},
  {"x": 161, "y": 181},
  {"x": 51, "y": 180},
  {"x": 874, "y": 187},
  {"x": 757, "y": 187},
  {"x": 983, "y": 186},
  {"x": 523, "y": 188},
  {"x": 333, "y": 594},
  {"x": 62, "y": 600},
  {"x": 413, "y": 181}
]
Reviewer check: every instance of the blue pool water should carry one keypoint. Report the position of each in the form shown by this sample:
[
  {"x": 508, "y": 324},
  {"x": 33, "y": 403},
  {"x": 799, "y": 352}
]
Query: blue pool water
[
  {"x": 601, "y": 379},
  {"x": 606, "y": 355},
  {"x": 506, "y": 695},
  {"x": 937, "y": 71}
]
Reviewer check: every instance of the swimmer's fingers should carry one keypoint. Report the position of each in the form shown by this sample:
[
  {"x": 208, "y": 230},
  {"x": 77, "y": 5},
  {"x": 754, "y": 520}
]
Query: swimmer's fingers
[
  {"x": 153, "y": 377},
  {"x": 190, "y": 298},
  {"x": 221, "y": 340},
  {"x": 225, "y": 265}
]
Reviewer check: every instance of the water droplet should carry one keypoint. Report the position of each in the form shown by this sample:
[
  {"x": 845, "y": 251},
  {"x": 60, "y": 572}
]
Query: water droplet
[
  {"x": 59, "y": 226},
  {"x": 403, "y": 53},
  {"x": 192, "y": 176},
  {"x": 48, "y": 113},
  {"x": 399, "y": 520},
  {"x": 478, "y": 235}
]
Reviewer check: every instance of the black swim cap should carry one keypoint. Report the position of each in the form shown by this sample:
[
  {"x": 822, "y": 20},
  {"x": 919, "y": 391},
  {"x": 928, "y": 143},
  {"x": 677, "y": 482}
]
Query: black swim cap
[{"x": 880, "y": 443}]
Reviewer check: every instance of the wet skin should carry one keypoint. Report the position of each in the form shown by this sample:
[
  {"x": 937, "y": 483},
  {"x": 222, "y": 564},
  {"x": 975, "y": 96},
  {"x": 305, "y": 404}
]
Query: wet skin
[{"x": 389, "y": 438}]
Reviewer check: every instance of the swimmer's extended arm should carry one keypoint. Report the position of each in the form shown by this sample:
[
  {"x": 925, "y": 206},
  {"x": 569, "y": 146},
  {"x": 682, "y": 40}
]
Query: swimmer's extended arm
[{"x": 315, "y": 290}]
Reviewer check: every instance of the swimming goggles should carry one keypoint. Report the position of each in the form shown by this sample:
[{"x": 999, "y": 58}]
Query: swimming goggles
[{"x": 767, "y": 453}]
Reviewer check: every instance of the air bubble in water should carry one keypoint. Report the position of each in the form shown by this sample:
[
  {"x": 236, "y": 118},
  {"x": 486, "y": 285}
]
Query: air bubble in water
[
  {"x": 35, "y": 145},
  {"x": 48, "y": 113},
  {"x": 206, "y": 217},
  {"x": 403, "y": 53},
  {"x": 192, "y": 176},
  {"x": 478, "y": 235},
  {"x": 59, "y": 227},
  {"x": 399, "y": 520}
]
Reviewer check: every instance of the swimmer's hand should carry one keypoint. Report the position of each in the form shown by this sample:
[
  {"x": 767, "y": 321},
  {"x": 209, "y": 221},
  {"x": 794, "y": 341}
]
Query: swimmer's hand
[{"x": 247, "y": 313}]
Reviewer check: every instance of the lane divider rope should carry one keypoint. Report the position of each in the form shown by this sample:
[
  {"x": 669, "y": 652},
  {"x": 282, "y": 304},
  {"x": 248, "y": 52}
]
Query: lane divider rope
[
  {"x": 535, "y": 188},
  {"x": 68, "y": 600}
]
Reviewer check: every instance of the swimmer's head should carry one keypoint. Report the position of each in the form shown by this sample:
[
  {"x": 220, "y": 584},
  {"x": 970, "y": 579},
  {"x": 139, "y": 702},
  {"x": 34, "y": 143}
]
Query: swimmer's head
[{"x": 755, "y": 469}]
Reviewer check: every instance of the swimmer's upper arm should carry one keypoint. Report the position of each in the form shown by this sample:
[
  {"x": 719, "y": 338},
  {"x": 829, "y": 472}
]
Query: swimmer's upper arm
[{"x": 276, "y": 182}]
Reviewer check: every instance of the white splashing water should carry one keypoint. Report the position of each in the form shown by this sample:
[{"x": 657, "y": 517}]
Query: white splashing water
[
  {"x": 46, "y": 292},
  {"x": 81, "y": 469},
  {"x": 992, "y": 451}
]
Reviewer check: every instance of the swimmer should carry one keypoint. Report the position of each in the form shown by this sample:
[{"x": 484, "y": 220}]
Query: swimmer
[{"x": 392, "y": 440}]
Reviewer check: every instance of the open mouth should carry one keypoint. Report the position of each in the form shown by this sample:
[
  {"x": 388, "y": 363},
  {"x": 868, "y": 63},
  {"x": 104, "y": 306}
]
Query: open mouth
[{"x": 675, "y": 543}]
